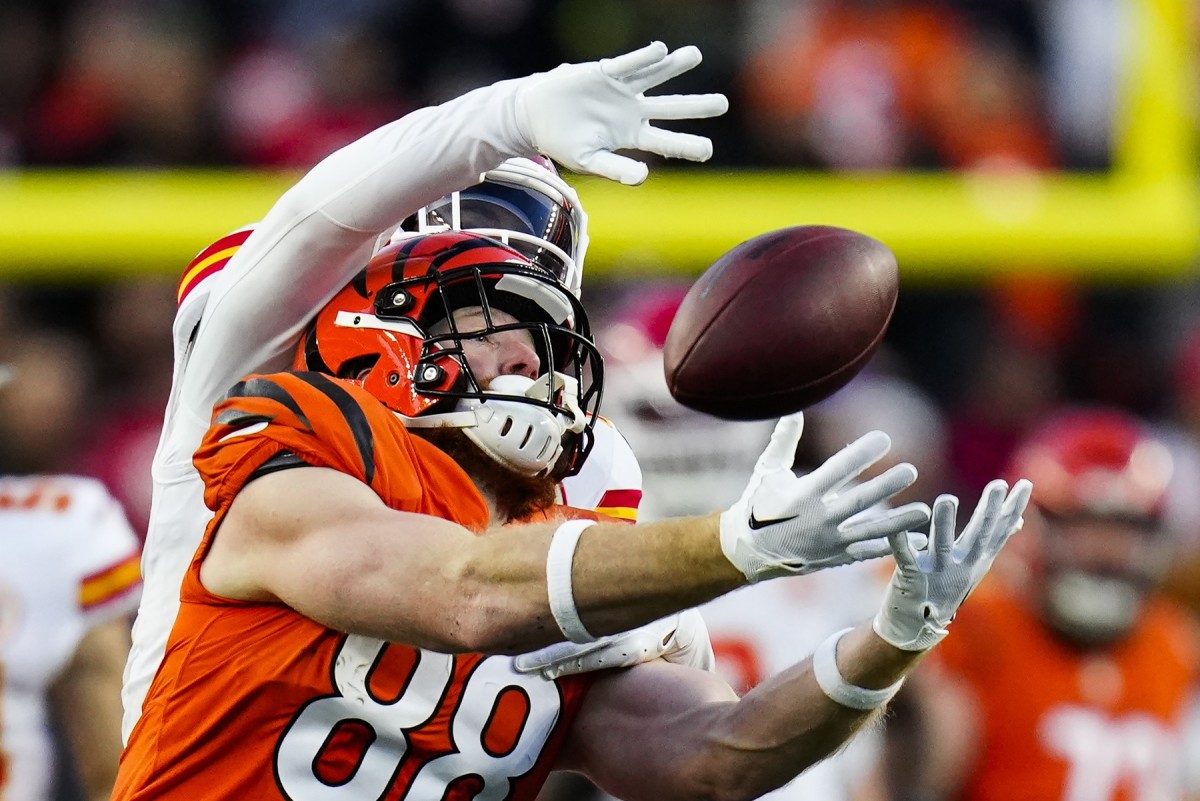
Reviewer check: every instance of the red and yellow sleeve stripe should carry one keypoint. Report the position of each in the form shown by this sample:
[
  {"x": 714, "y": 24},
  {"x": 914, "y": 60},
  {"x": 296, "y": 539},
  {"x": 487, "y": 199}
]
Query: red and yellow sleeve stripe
[
  {"x": 622, "y": 504},
  {"x": 210, "y": 260},
  {"x": 110, "y": 583}
]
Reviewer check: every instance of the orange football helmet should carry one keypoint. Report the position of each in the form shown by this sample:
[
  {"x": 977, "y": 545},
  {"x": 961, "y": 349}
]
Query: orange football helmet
[{"x": 376, "y": 332}]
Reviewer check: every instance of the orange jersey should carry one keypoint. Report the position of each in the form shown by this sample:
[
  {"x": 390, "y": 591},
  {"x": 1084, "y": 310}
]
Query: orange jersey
[
  {"x": 255, "y": 701},
  {"x": 1063, "y": 723}
]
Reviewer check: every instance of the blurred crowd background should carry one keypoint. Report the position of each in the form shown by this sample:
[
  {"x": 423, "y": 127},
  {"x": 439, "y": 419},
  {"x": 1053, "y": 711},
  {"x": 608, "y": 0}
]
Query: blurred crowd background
[
  {"x": 851, "y": 84},
  {"x": 969, "y": 365},
  {"x": 838, "y": 85}
]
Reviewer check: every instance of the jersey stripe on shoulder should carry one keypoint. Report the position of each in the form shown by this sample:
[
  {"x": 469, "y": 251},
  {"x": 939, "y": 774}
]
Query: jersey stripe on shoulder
[
  {"x": 105, "y": 585},
  {"x": 210, "y": 260},
  {"x": 259, "y": 387},
  {"x": 620, "y": 503},
  {"x": 355, "y": 418}
]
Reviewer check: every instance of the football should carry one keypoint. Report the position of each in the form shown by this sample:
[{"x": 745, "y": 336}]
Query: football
[{"x": 780, "y": 322}]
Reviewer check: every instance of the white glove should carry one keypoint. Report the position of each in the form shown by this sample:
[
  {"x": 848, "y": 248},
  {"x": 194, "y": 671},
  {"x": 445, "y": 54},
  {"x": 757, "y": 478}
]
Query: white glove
[
  {"x": 929, "y": 586},
  {"x": 578, "y": 114},
  {"x": 789, "y": 525},
  {"x": 682, "y": 639}
]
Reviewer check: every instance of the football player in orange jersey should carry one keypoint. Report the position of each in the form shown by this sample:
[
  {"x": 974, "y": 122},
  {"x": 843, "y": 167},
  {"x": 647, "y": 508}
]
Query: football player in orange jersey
[
  {"x": 334, "y": 622},
  {"x": 1068, "y": 676},
  {"x": 245, "y": 300}
]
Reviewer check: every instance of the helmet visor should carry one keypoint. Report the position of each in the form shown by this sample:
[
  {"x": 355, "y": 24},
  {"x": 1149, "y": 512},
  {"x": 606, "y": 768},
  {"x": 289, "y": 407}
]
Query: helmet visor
[{"x": 526, "y": 220}]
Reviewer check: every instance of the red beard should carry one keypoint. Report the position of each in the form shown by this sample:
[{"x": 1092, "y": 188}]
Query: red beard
[{"x": 514, "y": 495}]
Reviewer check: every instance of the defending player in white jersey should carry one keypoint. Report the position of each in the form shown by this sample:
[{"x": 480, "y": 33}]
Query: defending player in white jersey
[
  {"x": 69, "y": 580},
  {"x": 246, "y": 299}
]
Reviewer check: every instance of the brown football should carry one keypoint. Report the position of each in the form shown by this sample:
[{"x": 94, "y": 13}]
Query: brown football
[{"x": 780, "y": 322}]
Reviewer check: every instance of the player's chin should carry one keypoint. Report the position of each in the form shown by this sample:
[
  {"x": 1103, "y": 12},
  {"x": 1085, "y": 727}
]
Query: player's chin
[{"x": 516, "y": 496}]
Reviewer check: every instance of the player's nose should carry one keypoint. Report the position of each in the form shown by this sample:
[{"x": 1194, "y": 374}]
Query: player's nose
[{"x": 518, "y": 356}]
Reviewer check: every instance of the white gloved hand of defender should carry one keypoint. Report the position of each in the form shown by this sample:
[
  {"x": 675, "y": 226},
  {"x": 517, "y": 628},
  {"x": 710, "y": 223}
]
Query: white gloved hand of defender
[
  {"x": 928, "y": 586},
  {"x": 578, "y": 114},
  {"x": 681, "y": 638},
  {"x": 786, "y": 524}
]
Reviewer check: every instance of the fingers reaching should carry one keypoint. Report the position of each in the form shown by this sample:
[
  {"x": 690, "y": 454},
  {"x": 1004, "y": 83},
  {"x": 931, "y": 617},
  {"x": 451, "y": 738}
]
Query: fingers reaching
[
  {"x": 941, "y": 533},
  {"x": 623, "y": 169},
  {"x": 684, "y": 107},
  {"x": 627, "y": 64},
  {"x": 675, "y": 145},
  {"x": 901, "y": 519},
  {"x": 980, "y": 528},
  {"x": 664, "y": 69},
  {"x": 861, "y": 497},
  {"x": 780, "y": 453},
  {"x": 850, "y": 461}
]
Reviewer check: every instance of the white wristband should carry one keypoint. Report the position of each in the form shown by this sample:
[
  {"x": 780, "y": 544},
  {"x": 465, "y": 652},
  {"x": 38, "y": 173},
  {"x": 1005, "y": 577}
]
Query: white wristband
[
  {"x": 558, "y": 580},
  {"x": 826, "y": 671}
]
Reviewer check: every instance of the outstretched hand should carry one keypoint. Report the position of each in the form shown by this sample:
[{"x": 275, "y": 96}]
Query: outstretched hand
[
  {"x": 928, "y": 586},
  {"x": 785, "y": 524},
  {"x": 580, "y": 114}
]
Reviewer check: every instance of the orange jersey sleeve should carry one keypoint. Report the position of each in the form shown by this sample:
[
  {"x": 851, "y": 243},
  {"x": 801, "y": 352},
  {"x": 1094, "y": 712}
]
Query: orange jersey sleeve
[
  {"x": 254, "y": 700},
  {"x": 326, "y": 422}
]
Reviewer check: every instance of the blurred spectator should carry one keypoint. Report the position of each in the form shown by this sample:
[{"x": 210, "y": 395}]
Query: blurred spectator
[
  {"x": 133, "y": 88},
  {"x": 134, "y": 339},
  {"x": 1086, "y": 43},
  {"x": 1069, "y": 676},
  {"x": 25, "y": 53},
  {"x": 884, "y": 84},
  {"x": 45, "y": 413},
  {"x": 1182, "y": 434},
  {"x": 292, "y": 106},
  {"x": 1012, "y": 384},
  {"x": 848, "y": 84}
]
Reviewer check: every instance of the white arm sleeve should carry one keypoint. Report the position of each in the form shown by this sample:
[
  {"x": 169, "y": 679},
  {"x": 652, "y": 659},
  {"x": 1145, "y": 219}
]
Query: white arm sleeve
[{"x": 322, "y": 231}]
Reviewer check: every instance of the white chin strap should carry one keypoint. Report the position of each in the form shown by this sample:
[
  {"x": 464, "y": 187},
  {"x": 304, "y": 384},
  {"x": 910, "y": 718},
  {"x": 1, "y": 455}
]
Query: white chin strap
[{"x": 524, "y": 437}]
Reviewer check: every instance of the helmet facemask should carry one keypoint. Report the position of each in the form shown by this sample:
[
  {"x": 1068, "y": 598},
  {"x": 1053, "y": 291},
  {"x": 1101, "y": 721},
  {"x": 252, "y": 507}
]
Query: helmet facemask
[
  {"x": 500, "y": 415},
  {"x": 395, "y": 330}
]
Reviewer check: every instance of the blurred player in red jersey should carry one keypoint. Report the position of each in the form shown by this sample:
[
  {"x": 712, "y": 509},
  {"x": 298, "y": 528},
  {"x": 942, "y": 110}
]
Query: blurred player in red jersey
[
  {"x": 1069, "y": 676},
  {"x": 69, "y": 580}
]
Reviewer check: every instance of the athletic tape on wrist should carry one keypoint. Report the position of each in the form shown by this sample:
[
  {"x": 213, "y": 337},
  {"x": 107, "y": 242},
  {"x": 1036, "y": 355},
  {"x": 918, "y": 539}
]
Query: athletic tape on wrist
[
  {"x": 826, "y": 671},
  {"x": 558, "y": 580}
]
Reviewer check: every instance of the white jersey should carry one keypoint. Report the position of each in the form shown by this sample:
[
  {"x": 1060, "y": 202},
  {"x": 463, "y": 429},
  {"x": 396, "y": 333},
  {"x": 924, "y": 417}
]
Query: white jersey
[
  {"x": 610, "y": 481},
  {"x": 246, "y": 299},
  {"x": 68, "y": 562}
]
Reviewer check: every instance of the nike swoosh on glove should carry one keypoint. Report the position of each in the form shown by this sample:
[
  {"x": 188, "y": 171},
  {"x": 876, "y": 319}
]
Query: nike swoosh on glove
[
  {"x": 786, "y": 524},
  {"x": 579, "y": 114}
]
